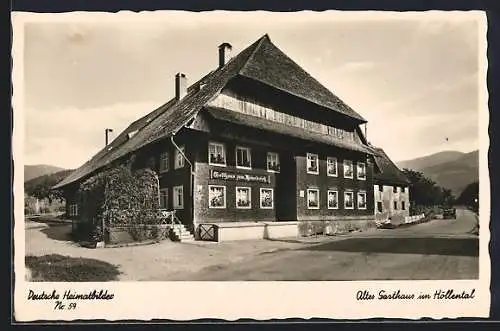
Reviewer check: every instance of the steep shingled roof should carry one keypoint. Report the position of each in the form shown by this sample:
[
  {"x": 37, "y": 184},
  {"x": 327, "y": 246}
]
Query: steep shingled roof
[
  {"x": 389, "y": 173},
  {"x": 261, "y": 61}
]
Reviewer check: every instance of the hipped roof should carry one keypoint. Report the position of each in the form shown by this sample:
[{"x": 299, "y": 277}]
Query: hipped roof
[
  {"x": 388, "y": 172},
  {"x": 261, "y": 61}
]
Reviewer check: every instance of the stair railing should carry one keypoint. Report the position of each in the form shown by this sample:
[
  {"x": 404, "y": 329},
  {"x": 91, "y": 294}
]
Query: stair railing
[{"x": 170, "y": 218}]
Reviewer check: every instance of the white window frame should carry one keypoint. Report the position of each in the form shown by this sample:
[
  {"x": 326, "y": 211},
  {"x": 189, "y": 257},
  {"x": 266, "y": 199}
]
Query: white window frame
[
  {"x": 249, "y": 154},
  {"x": 328, "y": 198},
  {"x": 224, "y": 190},
  {"x": 335, "y": 162},
  {"x": 164, "y": 156},
  {"x": 277, "y": 156},
  {"x": 309, "y": 190},
  {"x": 345, "y": 164},
  {"x": 345, "y": 200},
  {"x": 175, "y": 195},
  {"x": 357, "y": 200},
  {"x": 179, "y": 156},
  {"x": 312, "y": 155},
  {"x": 261, "y": 195},
  {"x": 164, "y": 193},
  {"x": 357, "y": 170},
  {"x": 216, "y": 144},
  {"x": 249, "y": 189}
]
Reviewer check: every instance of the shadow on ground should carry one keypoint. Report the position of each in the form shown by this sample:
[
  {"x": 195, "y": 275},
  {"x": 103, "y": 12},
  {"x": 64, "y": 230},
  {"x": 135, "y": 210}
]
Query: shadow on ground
[
  {"x": 431, "y": 246},
  {"x": 61, "y": 232}
]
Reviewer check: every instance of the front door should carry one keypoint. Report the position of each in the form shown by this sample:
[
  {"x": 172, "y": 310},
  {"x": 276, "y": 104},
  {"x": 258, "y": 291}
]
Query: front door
[{"x": 286, "y": 187}]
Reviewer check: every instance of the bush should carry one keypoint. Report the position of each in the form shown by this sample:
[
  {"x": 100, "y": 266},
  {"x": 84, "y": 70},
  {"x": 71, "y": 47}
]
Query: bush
[
  {"x": 120, "y": 197},
  {"x": 58, "y": 268}
]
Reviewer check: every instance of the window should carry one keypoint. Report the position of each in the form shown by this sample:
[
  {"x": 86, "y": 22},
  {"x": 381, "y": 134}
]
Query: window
[
  {"x": 403, "y": 189},
  {"x": 73, "y": 210},
  {"x": 164, "y": 198},
  {"x": 178, "y": 196},
  {"x": 379, "y": 206},
  {"x": 179, "y": 158},
  {"x": 348, "y": 169},
  {"x": 243, "y": 197},
  {"x": 164, "y": 162},
  {"x": 312, "y": 199},
  {"x": 395, "y": 205},
  {"x": 403, "y": 205},
  {"x": 243, "y": 158},
  {"x": 361, "y": 171},
  {"x": 273, "y": 162},
  {"x": 216, "y": 154},
  {"x": 216, "y": 196},
  {"x": 381, "y": 188},
  {"x": 349, "y": 200},
  {"x": 266, "y": 198},
  {"x": 333, "y": 199},
  {"x": 395, "y": 189},
  {"x": 312, "y": 164},
  {"x": 361, "y": 200},
  {"x": 331, "y": 166}
]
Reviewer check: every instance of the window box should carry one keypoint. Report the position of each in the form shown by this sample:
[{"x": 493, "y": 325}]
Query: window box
[
  {"x": 331, "y": 167},
  {"x": 312, "y": 199},
  {"x": 243, "y": 158},
  {"x": 273, "y": 162},
  {"x": 243, "y": 197},
  {"x": 216, "y": 196},
  {"x": 312, "y": 164},
  {"x": 333, "y": 199},
  {"x": 266, "y": 198},
  {"x": 216, "y": 154}
]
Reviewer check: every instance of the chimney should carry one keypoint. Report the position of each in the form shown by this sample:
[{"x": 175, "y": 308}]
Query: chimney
[
  {"x": 180, "y": 86},
  {"x": 224, "y": 50}
]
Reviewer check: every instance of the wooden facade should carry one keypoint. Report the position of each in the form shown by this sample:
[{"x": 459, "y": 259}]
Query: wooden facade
[{"x": 253, "y": 151}]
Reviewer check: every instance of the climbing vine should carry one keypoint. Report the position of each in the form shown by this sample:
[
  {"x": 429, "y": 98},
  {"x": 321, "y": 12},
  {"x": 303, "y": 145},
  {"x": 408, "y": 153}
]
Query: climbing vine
[{"x": 120, "y": 197}]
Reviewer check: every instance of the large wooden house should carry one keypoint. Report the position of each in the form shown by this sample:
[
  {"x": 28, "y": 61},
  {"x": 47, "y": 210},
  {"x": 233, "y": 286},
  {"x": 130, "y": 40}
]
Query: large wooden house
[{"x": 251, "y": 150}]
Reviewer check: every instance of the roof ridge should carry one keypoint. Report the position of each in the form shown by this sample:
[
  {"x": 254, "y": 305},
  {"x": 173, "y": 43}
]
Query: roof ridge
[{"x": 257, "y": 46}]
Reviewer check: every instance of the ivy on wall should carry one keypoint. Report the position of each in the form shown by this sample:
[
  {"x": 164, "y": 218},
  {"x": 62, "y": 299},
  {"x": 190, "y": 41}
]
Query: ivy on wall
[{"x": 120, "y": 197}]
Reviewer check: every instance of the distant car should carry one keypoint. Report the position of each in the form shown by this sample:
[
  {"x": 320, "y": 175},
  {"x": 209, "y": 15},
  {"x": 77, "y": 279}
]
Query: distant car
[{"x": 449, "y": 213}]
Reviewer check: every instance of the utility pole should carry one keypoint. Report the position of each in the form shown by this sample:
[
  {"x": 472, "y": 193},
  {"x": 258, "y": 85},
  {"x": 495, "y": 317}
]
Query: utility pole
[{"x": 107, "y": 132}]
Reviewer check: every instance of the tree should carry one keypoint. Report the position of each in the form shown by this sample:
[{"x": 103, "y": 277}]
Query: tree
[
  {"x": 469, "y": 195},
  {"x": 425, "y": 192}
]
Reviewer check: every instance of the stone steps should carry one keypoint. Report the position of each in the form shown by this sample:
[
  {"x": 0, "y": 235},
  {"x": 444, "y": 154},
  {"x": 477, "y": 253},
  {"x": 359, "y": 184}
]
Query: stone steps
[{"x": 182, "y": 234}]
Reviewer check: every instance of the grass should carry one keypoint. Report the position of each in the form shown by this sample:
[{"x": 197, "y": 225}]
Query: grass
[{"x": 58, "y": 268}]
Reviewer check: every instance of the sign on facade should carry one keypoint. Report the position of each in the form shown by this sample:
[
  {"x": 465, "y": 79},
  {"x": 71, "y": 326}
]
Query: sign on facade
[{"x": 225, "y": 175}]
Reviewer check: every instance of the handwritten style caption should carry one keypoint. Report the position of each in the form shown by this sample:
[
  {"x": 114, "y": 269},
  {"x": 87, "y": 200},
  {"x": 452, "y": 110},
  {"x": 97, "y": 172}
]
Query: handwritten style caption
[
  {"x": 69, "y": 299},
  {"x": 440, "y": 294}
]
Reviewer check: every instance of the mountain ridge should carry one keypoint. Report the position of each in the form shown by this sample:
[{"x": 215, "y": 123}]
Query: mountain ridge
[{"x": 449, "y": 169}]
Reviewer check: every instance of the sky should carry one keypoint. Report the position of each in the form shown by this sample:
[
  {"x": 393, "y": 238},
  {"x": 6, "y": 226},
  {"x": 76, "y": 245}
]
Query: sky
[{"x": 416, "y": 81}]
